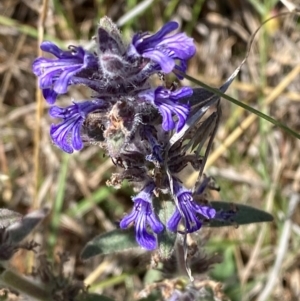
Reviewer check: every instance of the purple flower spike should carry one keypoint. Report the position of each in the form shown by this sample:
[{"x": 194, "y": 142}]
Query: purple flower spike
[
  {"x": 143, "y": 215},
  {"x": 66, "y": 135},
  {"x": 167, "y": 103},
  {"x": 193, "y": 212},
  {"x": 55, "y": 75},
  {"x": 163, "y": 50}
]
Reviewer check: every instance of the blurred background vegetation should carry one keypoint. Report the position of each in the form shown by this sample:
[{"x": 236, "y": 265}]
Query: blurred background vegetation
[{"x": 252, "y": 161}]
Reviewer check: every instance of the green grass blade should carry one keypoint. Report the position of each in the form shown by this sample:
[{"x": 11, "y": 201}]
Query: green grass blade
[
  {"x": 58, "y": 204},
  {"x": 244, "y": 106},
  {"x": 87, "y": 204},
  {"x": 28, "y": 30}
]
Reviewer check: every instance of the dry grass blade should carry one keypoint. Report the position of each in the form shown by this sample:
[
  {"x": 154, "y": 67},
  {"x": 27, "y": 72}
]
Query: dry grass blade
[
  {"x": 9, "y": 67},
  {"x": 40, "y": 108},
  {"x": 282, "y": 249}
]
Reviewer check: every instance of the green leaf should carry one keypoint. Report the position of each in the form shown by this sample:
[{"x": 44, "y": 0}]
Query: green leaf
[
  {"x": 19, "y": 230},
  {"x": 93, "y": 297},
  {"x": 28, "y": 30},
  {"x": 87, "y": 204},
  {"x": 58, "y": 203},
  {"x": 110, "y": 242},
  {"x": 244, "y": 214},
  {"x": 166, "y": 239},
  {"x": 227, "y": 268}
]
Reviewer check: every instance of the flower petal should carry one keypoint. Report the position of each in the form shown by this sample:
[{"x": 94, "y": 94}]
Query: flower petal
[
  {"x": 167, "y": 103},
  {"x": 143, "y": 216},
  {"x": 193, "y": 213},
  {"x": 67, "y": 134},
  {"x": 163, "y": 49},
  {"x": 57, "y": 74}
]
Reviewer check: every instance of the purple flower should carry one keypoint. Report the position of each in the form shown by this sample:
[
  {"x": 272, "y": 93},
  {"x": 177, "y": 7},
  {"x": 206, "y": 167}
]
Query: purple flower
[
  {"x": 163, "y": 49},
  {"x": 66, "y": 135},
  {"x": 167, "y": 103},
  {"x": 55, "y": 75},
  {"x": 193, "y": 213},
  {"x": 143, "y": 216}
]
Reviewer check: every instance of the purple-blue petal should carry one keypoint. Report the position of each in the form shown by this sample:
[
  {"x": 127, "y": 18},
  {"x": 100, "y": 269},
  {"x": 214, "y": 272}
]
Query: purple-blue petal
[
  {"x": 50, "y": 47},
  {"x": 180, "y": 46},
  {"x": 56, "y": 74},
  {"x": 67, "y": 134},
  {"x": 193, "y": 213},
  {"x": 174, "y": 220},
  {"x": 154, "y": 223},
  {"x": 61, "y": 85},
  {"x": 167, "y": 103},
  {"x": 141, "y": 41},
  {"x": 168, "y": 123},
  {"x": 50, "y": 95},
  {"x": 57, "y": 112},
  {"x": 142, "y": 215},
  {"x": 143, "y": 237},
  {"x": 76, "y": 137},
  {"x": 165, "y": 62},
  {"x": 128, "y": 219},
  {"x": 162, "y": 49}
]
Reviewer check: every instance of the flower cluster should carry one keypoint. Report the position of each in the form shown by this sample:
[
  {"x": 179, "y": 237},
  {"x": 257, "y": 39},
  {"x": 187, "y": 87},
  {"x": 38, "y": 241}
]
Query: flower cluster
[{"x": 132, "y": 120}]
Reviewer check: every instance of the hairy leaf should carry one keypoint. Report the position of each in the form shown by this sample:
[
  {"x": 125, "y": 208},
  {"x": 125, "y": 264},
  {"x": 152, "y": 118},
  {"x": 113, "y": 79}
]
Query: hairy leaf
[
  {"x": 166, "y": 239},
  {"x": 110, "y": 242},
  {"x": 20, "y": 229},
  {"x": 239, "y": 214}
]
